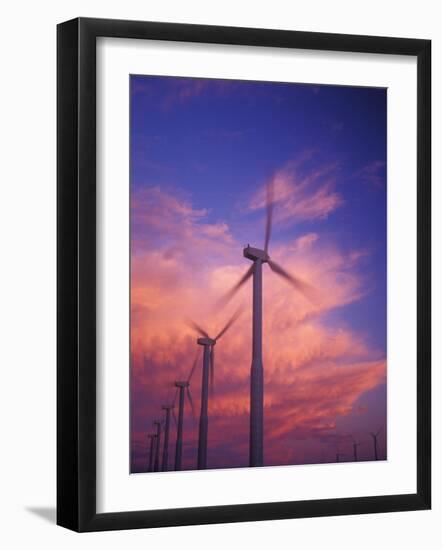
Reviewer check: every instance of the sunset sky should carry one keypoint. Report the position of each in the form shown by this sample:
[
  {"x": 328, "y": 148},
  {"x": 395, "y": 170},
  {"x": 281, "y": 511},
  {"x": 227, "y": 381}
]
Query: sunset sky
[{"x": 202, "y": 152}]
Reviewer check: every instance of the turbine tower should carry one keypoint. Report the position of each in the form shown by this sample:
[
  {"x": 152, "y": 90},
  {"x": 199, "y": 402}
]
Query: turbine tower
[
  {"x": 181, "y": 385},
  {"x": 165, "y": 459},
  {"x": 260, "y": 257},
  {"x": 156, "y": 466},
  {"x": 154, "y": 450},
  {"x": 375, "y": 442},
  {"x": 151, "y": 450},
  {"x": 208, "y": 374}
]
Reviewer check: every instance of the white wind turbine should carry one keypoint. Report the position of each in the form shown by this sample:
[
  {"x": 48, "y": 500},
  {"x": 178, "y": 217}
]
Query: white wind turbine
[
  {"x": 208, "y": 373},
  {"x": 260, "y": 257}
]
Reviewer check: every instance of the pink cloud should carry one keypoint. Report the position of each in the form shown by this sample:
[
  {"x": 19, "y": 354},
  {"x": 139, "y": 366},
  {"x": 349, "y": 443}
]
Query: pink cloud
[
  {"x": 163, "y": 221},
  {"x": 305, "y": 241},
  {"x": 300, "y": 197},
  {"x": 183, "y": 90},
  {"x": 373, "y": 173},
  {"x": 314, "y": 373}
]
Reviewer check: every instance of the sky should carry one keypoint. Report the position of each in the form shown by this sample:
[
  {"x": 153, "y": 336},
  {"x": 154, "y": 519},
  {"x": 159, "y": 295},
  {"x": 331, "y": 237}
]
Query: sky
[{"x": 201, "y": 155}]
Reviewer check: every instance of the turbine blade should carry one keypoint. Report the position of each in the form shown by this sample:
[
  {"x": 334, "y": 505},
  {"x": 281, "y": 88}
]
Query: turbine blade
[
  {"x": 193, "y": 366},
  {"x": 269, "y": 218},
  {"x": 301, "y": 286},
  {"x": 229, "y": 295},
  {"x": 212, "y": 370},
  {"x": 197, "y": 328},
  {"x": 379, "y": 431},
  {"x": 174, "y": 418},
  {"x": 189, "y": 397},
  {"x": 229, "y": 323}
]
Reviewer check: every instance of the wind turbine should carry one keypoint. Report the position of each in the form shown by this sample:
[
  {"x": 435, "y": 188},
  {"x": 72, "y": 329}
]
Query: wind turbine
[
  {"x": 355, "y": 449},
  {"x": 339, "y": 455},
  {"x": 156, "y": 466},
  {"x": 181, "y": 385},
  {"x": 207, "y": 374},
  {"x": 151, "y": 450},
  {"x": 375, "y": 442},
  {"x": 165, "y": 460},
  {"x": 260, "y": 257}
]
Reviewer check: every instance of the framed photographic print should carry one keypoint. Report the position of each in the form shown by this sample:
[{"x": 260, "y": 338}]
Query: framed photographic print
[{"x": 243, "y": 274}]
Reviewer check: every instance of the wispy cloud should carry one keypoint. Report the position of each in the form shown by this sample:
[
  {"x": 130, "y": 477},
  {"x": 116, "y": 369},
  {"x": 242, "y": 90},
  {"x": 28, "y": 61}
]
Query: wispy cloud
[
  {"x": 184, "y": 90},
  {"x": 305, "y": 241},
  {"x": 301, "y": 197},
  {"x": 373, "y": 173},
  {"x": 162, "y": 220}
]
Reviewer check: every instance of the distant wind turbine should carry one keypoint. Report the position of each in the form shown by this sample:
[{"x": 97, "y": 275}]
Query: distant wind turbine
[
  {"x": 156, "y": 466},
  {"x": 181, "y": 385},
  {"x": 375, "y": 442},
  {"x": 151, "y": 450},
  {"x": 355, "y": 449},
  {"x": 339, "y": 455},
  {"x": 208, "y": 373},
  {"x": 165, "y": 460},
  {"x": 259, "y": 257}
]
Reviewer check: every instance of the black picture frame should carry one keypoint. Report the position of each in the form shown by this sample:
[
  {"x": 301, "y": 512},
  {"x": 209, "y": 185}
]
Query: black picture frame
[{"x": 76, "y": 274}]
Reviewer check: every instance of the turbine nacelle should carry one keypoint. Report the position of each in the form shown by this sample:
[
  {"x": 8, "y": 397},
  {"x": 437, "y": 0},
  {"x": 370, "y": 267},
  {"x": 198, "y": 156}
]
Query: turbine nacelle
[
  {"x": 184, "y": 384},
  {"x": 206, "y": 342},
  {"x": 167, "y": 407},
  {"x": 255, "y": 254}
]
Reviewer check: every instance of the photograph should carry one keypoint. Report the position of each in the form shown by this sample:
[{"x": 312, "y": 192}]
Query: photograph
[
  {"x": 221, "y": 242},
  {"x": 258, "y": 273}
]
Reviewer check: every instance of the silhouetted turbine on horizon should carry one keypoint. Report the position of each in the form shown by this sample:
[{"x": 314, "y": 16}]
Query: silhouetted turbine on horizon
[
  {"x": 355, "y": 449},
  {"x": 151, "y": 450},
  {"x": 156, "y": 466},
  {"x": 339, "y": 455},
  {"x": 375, "y": 442},
  {"x": 259, "y": 257}
]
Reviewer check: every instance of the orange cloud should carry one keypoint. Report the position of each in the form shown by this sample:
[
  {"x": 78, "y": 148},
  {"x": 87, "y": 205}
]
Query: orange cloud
[{"x": 314, "y": 372}]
